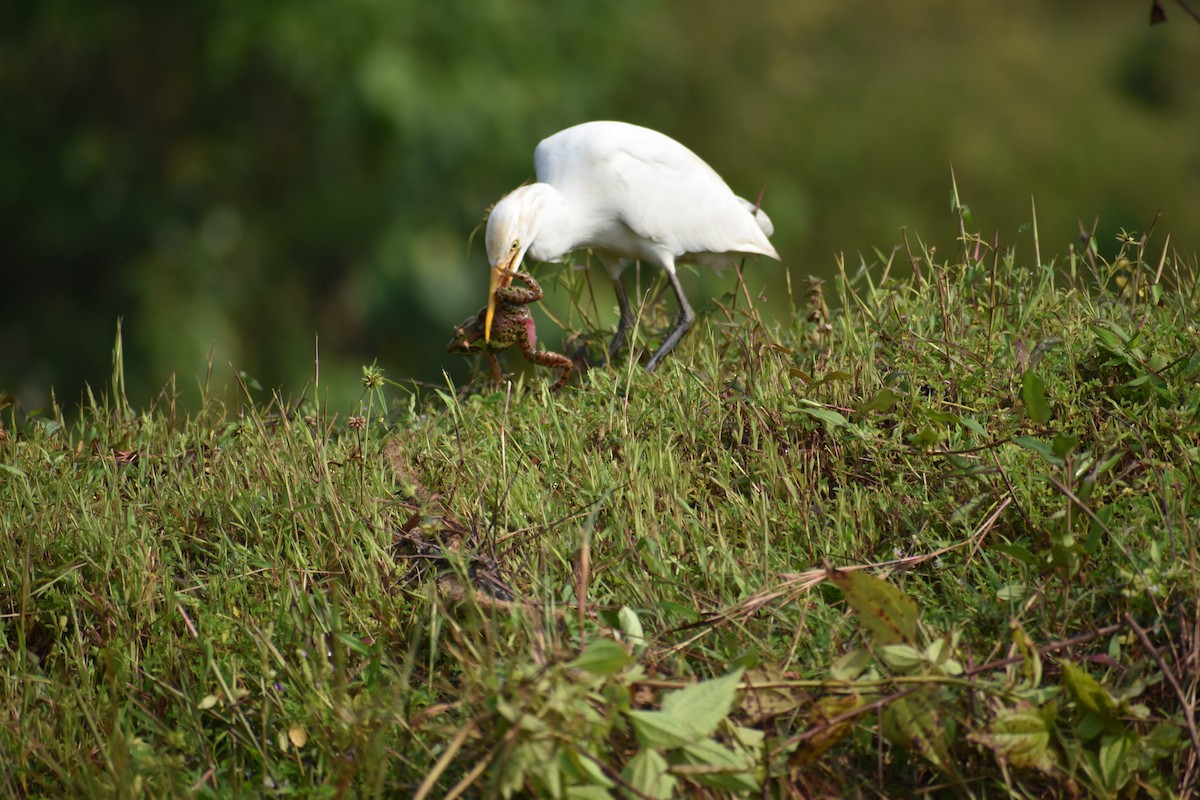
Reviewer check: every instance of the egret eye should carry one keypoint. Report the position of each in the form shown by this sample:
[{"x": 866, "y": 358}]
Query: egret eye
[{"x": 516, "y": 245}]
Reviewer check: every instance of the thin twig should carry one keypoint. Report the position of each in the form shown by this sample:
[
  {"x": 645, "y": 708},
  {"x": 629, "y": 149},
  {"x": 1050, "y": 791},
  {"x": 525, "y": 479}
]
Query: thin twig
[{"x": 1188, "y": 711}]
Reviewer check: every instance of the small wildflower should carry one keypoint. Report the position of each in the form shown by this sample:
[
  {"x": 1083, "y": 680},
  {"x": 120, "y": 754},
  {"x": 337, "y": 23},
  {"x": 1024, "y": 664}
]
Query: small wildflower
[
  {"x": 357, "y": 423},
  {"x": 372, "y": 377}
]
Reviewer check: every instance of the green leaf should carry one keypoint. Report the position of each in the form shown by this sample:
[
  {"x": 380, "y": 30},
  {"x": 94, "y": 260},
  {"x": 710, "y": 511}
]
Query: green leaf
[
  {"x": 588, "y": 793},
  {"x": 971, "y": 424},
  {"x": 850, "y": 665},
  {"x": 831, "y": 377},
  {"x": 13, "y": 470},
  {"x": 576, "y": 764},
  {"x": 647, "y": 772},
  {"x": 1033, "y": 393},
  {"x": 1044, "y": 449},
  {"x": 602, "y": 657},
  {"x": 901, "y": 657},
  {"x": 883, "y": 400},
  {"x": 1114, "y": 759},
  {"x": 831, "y": 418},
  {"x": 661, "y": 730},
  {"x": 1111, "y": 337},
  {"x": 1064, "y": 444},
  {"x": 926, "y": 437},
  {"x": 888, "y": 613},
  {"x": 1087, "y": 692},
  {"x": 1012, "y": 592},
  {"x": 702, "y": 706},
  {"x": 735, "y": 774},
  {"x": 1019, "y": 552}
]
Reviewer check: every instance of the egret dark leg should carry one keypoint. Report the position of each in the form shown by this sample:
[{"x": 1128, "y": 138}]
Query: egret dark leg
[
  {"x": 626, "y": 323},
  {"x": 682, "y": 325}
]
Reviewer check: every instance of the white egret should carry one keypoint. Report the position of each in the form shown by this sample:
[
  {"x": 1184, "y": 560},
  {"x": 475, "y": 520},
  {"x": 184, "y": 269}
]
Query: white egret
[{"x": 626, "y": 193}]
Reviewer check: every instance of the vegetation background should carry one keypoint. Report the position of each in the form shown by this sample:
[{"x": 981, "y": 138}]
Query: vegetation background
[{"x": 244, "y": 179}]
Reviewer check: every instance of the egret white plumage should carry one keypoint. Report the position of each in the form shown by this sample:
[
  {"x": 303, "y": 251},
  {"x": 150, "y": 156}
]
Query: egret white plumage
[{"x": 626, "y": 193}]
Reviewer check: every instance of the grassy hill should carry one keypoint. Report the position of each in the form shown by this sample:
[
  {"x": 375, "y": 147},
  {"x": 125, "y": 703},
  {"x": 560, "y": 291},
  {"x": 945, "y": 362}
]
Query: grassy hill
[{"x": 943, "y": 539}]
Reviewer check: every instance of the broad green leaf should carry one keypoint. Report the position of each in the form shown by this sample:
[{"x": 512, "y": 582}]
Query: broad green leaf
[
  {"x": 736, "y": 770},
  {"x": 1019, "y": 552},
  {"x": 1012, "y": 592},
  {"x": 588, "y": 793},
  {"x": 900, "y": 656},
  {"x": 702, "y": 706},
  {"x": 1087, "y": 691},
  {"x": 888, "y": 613},
  {"x": 602, "y": 657},
  {"x": 850, "y": 665},
  {"x": 1111, "y": 337},
  {"x": 647, "y": 772},
  {"x": 1115, "y": 768},
  {"x": 1163, "y": 739},
  {"x": 971, "y": 424},
  {"x": 659, "y": 729},
  {"x": 831, "y": 418},
  {"x": 883, "y": 400},
  {"x": 1033, "y": 393},
  {"x": 939, "y": 653},
  {"x": 576, "y": 764}
]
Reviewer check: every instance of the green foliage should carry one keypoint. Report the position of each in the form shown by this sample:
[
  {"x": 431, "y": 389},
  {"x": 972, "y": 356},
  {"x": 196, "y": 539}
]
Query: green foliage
[{"x": 850, "y": 555}]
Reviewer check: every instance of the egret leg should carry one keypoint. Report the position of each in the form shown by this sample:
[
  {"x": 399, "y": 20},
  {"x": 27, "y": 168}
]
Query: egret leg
[
  {"x": 625, "y": 325},
  {"x": 682, "y": 325}
]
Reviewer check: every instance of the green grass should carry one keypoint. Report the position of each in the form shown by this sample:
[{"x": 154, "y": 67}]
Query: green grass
[{"x": 941, "y": 540}]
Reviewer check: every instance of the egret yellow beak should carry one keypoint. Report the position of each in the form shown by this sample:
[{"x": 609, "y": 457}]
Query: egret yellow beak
[
  {"x": 499, "y": 280},
  {"x": 493, "y": 285}
]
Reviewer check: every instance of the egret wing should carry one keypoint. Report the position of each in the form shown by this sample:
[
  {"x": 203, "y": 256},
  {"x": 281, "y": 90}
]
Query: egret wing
[{"x": 614, "y": 173}]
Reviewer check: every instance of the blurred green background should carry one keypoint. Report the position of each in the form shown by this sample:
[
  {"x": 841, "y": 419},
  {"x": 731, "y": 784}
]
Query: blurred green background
[{"x": 247, "y": 178}]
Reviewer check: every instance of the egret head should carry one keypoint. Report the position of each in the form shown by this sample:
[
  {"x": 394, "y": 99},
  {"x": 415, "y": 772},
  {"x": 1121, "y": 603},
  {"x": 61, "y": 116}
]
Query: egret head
[{"x": 530, "y": 216}]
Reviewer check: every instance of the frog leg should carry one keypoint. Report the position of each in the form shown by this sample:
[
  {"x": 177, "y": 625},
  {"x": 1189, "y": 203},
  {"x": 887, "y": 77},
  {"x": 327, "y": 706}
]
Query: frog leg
[
  {"x": 515, "y": 295},
  {"x": 545, "y": 358},
  {"x": 497, "y": 374}
]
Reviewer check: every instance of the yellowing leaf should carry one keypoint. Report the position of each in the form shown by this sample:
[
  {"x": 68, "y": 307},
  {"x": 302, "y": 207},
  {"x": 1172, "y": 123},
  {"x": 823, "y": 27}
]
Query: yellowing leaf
[
  {"x": 1020, "y": 736},
  {"x": 914, "y": 723},
  {"x": 826, "y": 735},
  {"x": 888, "y": 613},
  {"x": 298, "y": 736}
]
